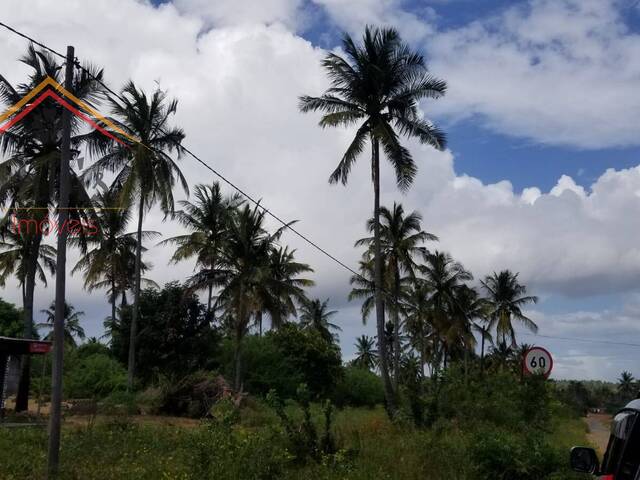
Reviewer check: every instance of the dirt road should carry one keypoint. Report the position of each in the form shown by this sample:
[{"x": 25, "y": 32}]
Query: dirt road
[{"x": 598, "y": 435}]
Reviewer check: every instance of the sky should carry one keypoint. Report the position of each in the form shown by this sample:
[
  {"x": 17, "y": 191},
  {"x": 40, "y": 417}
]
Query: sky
[{"x": 541, "y": 174}]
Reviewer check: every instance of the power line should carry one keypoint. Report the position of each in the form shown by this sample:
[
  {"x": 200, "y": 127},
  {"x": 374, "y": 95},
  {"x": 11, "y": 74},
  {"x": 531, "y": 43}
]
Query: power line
[
  {"x": 584, "y": 340},
  {"x": 198, "y": 159},
  {"x": 257, "y": 202}
]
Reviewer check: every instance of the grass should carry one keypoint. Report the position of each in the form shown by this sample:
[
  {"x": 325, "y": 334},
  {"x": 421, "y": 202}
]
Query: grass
[{"x": 255, "y": 448}]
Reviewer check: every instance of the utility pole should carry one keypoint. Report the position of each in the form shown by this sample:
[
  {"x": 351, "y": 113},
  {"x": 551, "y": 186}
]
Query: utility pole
[{"x": 61, "y": 263}]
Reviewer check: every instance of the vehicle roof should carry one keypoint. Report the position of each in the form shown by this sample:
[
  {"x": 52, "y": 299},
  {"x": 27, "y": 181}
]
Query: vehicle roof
[{"x": 633, "y": 405}]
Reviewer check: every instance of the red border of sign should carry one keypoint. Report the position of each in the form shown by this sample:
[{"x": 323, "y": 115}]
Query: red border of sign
[{"x": 524, "y": 363}]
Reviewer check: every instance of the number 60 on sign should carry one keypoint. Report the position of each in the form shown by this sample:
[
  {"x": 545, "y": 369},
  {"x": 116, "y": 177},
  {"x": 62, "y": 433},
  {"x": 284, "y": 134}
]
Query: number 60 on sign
[{"x": 537, "y": 361}]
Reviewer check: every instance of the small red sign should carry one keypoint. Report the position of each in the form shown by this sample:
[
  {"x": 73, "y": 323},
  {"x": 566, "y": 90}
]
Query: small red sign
[{"x": 39, "y": 347}]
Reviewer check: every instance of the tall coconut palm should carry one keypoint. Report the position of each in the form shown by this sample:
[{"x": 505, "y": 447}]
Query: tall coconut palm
[
  {"x": 401, "y": 242},
  {"x": 507, "y": 297},
  {"x": 29, "y": 175},
  {"x": 366, "y": 356},
  {"x": 111, "y": 248},
  {"x": 207, "y": 220},
  {"x": 72, "y": 327},
  {"x": 145, "y": 169},
  {"x": 377, "y": 87},
  {"x": 245, "y": 267},
  {"x": 315, "y": 315},
  {"x": 444, "y": 277}
]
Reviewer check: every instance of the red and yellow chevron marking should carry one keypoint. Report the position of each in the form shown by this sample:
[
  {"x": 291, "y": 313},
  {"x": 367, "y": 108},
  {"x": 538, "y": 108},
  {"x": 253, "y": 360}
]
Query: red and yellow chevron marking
[{"x": 59, "y": 88}]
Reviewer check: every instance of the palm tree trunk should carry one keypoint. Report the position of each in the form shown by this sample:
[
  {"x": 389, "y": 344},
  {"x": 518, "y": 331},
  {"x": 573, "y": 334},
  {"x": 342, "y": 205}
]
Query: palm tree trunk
[
  {"x": 237, "y": 361},
  {"x": 22, "y": 397},
  {"x": 209, "y": 303},
  {"x": 136, "y": 300},
  {"x": 259, "y": 319},
  {"x": 396, "y": 330},
  {"x": 113, "y": 301},
  {"x": 382, "y": 344},
  {"x": 482, "y": 353}
]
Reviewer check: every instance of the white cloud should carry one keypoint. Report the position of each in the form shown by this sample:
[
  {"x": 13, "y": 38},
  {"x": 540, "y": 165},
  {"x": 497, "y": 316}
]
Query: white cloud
[
  {"x": 238, "y": 88},
  {"x": 562, "y": 72}
]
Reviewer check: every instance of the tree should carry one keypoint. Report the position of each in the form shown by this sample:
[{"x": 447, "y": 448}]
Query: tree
[
  {"x": 207, "y": 222},
  {"x": 444, "y": 277},
  {"x": 506, "y": 297},
  {"x": 366, "y": 356},
  {"x": 10, "y": 320},
  {"x": 176, "y": 337},
  {"x": 245, "y": 276},
  {"x": 145, "y": 169},
  {"x": 107, "y": 264},
  {"x": 29, "y": 174},
  {"x": 315, "y": 315},
  {"x": 72, "y": 327},
  {"x": 378, "y": 86},
  {"x": 626, "y": 384},
  {"x": 401, "y": 241}
]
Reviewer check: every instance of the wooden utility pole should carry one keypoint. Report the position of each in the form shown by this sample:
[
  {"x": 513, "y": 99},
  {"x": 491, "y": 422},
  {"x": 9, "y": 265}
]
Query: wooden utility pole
[{"x": 61, "y": 263}]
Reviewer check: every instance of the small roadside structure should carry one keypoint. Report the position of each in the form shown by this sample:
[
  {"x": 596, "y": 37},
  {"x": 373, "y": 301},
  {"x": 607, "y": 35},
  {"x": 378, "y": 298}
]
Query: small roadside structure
[{"x": 11, "y": 351}]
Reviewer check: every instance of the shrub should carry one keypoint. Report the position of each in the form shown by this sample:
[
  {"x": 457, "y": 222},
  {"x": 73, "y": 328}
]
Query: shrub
[
  {"x": 94, "y": 376},
  {"x": 194, "y": 395},
  {"x": 359, "y": 388}
]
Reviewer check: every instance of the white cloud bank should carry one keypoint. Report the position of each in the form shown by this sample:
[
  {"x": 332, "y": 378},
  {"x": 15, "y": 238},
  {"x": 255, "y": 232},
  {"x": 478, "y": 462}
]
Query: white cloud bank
[{"x": 238, "y": 88}]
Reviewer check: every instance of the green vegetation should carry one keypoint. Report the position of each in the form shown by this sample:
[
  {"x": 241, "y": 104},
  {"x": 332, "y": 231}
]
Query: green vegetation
[{"x": 251, "y": 382}]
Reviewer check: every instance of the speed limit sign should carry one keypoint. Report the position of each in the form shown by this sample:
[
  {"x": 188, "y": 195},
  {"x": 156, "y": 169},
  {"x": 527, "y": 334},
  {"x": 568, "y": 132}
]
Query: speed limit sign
[{"x": 537, "y": 361}]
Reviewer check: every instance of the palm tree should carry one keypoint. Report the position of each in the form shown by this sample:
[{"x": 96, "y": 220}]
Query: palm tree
[
  {"x": 626, "y": 384},
  {"x": 207, "y": 221},
  {"x": 29, "y": 174},
  {"x": 366, "y": 356},
  {"x": 378, "y": 86},
  {"x": 506, "y": 298},
  {"x": 72, "y": 326},
  {"x": 106, "y": 264},
  {"x": 444, "y": 277},
  {"x": 419, "y": 320},
  {"x": 401, "y": 239},
  {"x": 284, "y": 285},
  {"x": 14, "y": 251},
  {"x": 145, "y": 169},
  {"x": 314, "y": 315},
  {"x": 245, "y": 268}
]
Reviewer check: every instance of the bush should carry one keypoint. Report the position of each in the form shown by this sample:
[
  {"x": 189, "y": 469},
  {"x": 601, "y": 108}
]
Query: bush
[
  {"x": 359, "y": 388},
  {"x": 194, "y": 395},
  {"x": 284, "y": 358},
  {"x": 94, "y": 376}
]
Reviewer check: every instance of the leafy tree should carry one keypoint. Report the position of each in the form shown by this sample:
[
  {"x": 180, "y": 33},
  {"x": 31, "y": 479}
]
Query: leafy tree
[
  {"x": 507, "y": 297},
  {"x": 284, "y": 358},
  {"x": 378, "y": 86},
  {"x": 175, "y": 337},
  {"x": 10, "y": 320},
  {"x": 366, "y": 356},
  {"x": 145, "y": 170},
  {"x": 315, "y": 315},
  {"x": 72, "y": 327}
]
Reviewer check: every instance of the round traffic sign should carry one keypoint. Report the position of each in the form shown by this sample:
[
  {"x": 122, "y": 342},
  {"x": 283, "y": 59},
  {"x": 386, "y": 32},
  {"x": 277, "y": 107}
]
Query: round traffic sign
[{"x": 537, "y": 361}]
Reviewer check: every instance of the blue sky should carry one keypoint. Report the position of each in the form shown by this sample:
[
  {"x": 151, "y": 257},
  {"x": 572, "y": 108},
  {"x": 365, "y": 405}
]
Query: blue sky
[{"x": 541, "y": 176}]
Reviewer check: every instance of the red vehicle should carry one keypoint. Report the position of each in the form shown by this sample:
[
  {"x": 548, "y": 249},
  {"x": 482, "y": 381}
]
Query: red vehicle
[{"x": 622, "y": 459}]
